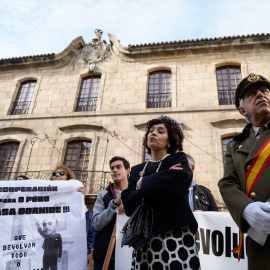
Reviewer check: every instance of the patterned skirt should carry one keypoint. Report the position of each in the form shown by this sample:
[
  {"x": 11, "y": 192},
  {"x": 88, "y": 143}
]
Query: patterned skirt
[{"x": 173, "y": 250}]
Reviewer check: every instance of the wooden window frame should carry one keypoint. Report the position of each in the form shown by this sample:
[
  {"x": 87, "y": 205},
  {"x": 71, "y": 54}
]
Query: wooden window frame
[
  {"x": 24, "y": 98},
  {"x": 6, "y": 170},
  {"x": 87, "y": 100},
  {"x": 226, "y": 96},
  {"x": 159, "y": 98},
  {"x": 77, "y": 169}
]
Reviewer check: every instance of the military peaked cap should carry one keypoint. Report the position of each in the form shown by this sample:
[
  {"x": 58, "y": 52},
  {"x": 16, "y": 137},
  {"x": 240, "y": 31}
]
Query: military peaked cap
[{"x": 250, "y": 81}]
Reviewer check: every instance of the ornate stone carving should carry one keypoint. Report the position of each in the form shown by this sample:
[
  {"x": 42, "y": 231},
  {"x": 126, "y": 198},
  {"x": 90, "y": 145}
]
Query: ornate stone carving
[{"x": 95, "y": 51}]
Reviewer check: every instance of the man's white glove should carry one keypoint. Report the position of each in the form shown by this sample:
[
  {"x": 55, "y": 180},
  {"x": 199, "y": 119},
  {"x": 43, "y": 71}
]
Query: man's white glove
[{"x": 257, "y": 214}]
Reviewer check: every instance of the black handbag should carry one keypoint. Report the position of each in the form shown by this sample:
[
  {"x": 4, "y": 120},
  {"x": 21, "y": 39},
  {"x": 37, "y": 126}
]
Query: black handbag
[{"x": 138, "y": 229}]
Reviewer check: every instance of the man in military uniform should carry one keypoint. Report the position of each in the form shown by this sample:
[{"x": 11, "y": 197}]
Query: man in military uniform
[
  {"x": 245, "y": 186},
  {"x": 52, "y": 244}
]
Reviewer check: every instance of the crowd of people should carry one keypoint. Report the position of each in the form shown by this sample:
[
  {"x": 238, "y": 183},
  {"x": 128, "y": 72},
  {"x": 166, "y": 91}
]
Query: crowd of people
[{"x": 166, "y": 184}]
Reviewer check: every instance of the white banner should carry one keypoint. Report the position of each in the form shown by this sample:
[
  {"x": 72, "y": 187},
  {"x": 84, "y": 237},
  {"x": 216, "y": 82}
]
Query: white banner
[
  {"x": 217, "y": 235},
  {"x": 42, "y": 225}
]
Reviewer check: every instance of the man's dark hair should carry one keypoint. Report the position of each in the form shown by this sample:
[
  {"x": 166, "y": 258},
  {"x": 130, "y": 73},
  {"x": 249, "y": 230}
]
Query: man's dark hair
[{"x": 125, "y": 162}]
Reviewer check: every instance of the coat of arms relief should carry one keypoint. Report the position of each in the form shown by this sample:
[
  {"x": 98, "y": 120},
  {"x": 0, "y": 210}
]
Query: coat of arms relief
[{"x": 96, "y": 51}]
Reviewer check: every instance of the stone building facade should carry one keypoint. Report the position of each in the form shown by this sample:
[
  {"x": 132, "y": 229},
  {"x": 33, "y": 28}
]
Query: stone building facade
[{"x": 91, "y": 102}]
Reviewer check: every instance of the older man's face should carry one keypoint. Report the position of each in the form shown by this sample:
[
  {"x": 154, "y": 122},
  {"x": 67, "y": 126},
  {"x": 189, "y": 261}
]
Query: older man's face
[
  {"x": 257, "y": 105},
  {"x": 49, "y": 225}
]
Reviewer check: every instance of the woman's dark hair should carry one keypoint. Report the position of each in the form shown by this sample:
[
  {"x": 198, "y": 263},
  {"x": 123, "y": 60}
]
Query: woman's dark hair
[
  {"x": 176, "y": 143},
  {"x": 23, "y": 177}
]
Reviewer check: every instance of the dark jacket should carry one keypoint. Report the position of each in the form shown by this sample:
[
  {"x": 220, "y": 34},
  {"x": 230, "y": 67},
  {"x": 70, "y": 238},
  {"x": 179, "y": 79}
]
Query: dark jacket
[
  {"x": 52, "y": 244},
  {"x": 165, "y": 191},
  {"x": 103, "y": 220},
  {"x": 203, "y": 199},
  {"x": 90, "y": 232}
]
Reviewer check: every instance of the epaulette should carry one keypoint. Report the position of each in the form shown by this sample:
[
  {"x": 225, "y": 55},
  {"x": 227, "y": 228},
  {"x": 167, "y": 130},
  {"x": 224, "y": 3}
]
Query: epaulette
[{"x": 245, "y": 133}]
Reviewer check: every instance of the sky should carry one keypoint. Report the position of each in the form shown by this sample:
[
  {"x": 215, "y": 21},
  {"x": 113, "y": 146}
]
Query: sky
[{"x": 32, "y": 27}]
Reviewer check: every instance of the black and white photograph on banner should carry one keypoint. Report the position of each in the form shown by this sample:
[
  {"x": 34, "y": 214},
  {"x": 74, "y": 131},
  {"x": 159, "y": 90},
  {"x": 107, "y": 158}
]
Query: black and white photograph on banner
[{"x": 42, "y": 225}]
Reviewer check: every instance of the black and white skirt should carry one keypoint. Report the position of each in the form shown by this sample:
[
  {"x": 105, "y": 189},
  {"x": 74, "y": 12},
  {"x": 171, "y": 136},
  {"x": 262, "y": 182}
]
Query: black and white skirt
[{"x": 173, "y": 250}]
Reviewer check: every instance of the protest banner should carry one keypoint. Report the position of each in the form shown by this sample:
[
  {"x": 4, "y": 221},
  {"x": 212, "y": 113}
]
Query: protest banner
[
  {"x": 42, "y": 225},
  {"x": 217, "y": 235}
]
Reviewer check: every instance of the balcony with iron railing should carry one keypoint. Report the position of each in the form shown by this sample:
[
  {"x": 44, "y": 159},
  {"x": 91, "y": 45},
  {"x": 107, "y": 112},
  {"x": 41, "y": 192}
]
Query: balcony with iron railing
[
  {"x": 21, "y": 107},
  {"x": 86, "y": 104},
  {"x": 159, "y": 100},
  {"x": 93, "y": 181},
  {"x": 226, "y": 97}
]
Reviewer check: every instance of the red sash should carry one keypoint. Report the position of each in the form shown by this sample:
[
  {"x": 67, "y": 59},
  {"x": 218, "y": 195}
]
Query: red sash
[{"x": 255, "y": 170}]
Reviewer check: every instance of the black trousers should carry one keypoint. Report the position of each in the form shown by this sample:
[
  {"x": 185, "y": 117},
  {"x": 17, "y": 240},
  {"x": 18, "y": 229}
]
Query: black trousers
[{"x": 50, "y": 261}]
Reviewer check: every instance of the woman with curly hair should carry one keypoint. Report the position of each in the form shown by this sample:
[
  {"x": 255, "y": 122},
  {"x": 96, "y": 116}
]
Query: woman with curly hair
[{"x": 163, "y": 182}]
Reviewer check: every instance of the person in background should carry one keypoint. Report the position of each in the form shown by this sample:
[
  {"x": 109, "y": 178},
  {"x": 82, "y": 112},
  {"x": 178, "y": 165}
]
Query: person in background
[
  {"x": 163, "y": 183},
  {"x": 200, "y": 197},
  {"x": 245, "y": 186},
  {"x": 105, "y": 209},
  {"x": 22, "y": 177},
  {"x": 62, "y": 172}
]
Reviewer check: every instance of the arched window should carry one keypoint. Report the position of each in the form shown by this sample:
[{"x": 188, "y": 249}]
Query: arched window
[
  {"x": 88, "y": 97},
  {"x": 225, "y": 141},
  {"x": 228, "y": 77},
  {"x": 8, "y": 153},
  {"x": 159, "y": 89},
  {"x": 77, "y": 156},
  {"x": 24, "y": 98}
]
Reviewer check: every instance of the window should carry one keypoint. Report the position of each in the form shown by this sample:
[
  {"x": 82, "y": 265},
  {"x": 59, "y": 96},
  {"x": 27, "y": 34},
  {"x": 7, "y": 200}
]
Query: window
[
  {"x": 87, "y": 100},
  {"x": 77, "y": 157},
  {"x": 8, "y": 153},
  {"x": 227, "y": 80},
  {"x": 159, "y": 89},
  {"x": 225, "y": 141},
  {"x": 24, "y": 97}
]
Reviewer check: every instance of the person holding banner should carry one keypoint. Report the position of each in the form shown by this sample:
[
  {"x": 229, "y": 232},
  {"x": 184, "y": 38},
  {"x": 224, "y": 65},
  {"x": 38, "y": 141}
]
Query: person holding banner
[
  {"x": 245, "y": 186},
  {"x": 108, "y": 202},
  {"x": 62, "y": 172},
  {"x": 163, "y": 183}
]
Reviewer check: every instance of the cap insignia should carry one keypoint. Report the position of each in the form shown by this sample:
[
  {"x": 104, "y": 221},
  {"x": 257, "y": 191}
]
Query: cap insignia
[{"x": 253, "y": 78}]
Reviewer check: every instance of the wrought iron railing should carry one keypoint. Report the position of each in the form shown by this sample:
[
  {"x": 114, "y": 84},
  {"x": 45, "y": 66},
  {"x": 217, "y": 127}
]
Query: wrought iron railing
[
  {"x": 94, "y": 181},
  {"x": 86, "y": 104},
  {"x": 159, "y": 100},
  {"x": 226, "y": 97},
  {"x": 20, "y": 107}
]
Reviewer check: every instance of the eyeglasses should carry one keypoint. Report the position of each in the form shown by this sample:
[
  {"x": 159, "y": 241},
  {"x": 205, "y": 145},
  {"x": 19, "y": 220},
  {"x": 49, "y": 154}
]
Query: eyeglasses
[{"x": 60, "y": 172}]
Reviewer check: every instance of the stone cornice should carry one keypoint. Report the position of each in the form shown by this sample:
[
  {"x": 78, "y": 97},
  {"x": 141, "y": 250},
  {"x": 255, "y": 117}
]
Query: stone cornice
[
  {"x": 222, "y": 123},
  {"x": 43, "y": 60},
  {"x": 189, "y": 47},
  {"x": 80, "y": 127},
  {"x": 17, "y": 130}
]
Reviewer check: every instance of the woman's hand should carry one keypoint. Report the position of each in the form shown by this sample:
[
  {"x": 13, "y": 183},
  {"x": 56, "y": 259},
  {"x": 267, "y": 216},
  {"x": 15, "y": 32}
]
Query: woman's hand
[
  {"x": 176, "y": 167},
  {"x": 82, "y": 190}
]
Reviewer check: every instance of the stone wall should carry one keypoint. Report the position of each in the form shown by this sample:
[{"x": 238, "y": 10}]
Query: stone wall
[{"x": 52, "y": 120}]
